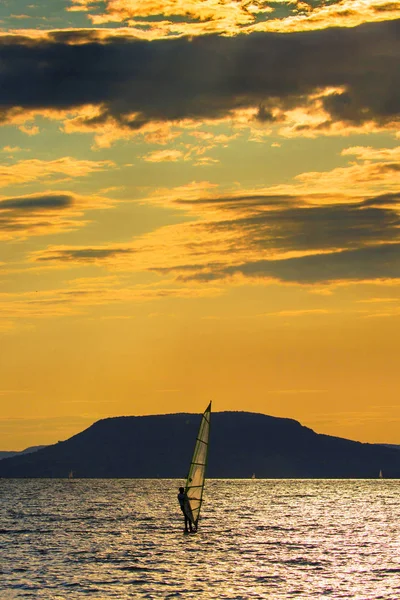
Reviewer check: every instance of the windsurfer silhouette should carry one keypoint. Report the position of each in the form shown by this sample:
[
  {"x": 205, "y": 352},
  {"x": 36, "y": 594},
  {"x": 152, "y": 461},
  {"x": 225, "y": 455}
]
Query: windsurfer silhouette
[{"x": 185, "y": 508}]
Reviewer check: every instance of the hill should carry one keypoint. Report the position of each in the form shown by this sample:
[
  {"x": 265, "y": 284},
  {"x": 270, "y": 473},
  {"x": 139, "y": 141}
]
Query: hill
[
  {"x": 241, "y": 443},
  {"x": 9, "y": 453},
  {"x": 6, "y": 454}
]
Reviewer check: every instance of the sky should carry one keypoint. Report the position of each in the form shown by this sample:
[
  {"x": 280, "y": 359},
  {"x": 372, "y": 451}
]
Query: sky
[{"x": 199, "y": 200}]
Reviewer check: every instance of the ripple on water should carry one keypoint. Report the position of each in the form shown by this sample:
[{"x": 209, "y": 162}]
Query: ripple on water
[{"x": 123, "y": 539}]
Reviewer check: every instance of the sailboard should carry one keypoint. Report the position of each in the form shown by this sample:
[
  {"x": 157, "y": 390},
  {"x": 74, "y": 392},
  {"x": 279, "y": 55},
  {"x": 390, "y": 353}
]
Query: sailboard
[{"x": 197, "y": 472}]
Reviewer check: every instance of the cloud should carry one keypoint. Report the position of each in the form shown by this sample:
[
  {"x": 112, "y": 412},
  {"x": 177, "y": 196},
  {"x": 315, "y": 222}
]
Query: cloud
[
  {"x": 379, "y": 300},
  {"x": 269, "y": 237},
  {"x": 300, "y": 313},
  {"x": 363, "y": 264},
  {"x": 344, "y": 13},
  {"x": 178, "y": 15},
  {"x": 164, "y": 156},
  {"x": 47, "y": 213},
  {"x": 301, "y": 233},
  {"x": 36, "y": 203},
  {"x": 367, "y": 153},
  {"x": 310, "y": 228},
  {"x": 11, "y": 149},
  {"x": 351, "y": 73},
  {"x": 299, "y": 243},
  {"x": 79, "y": 295},
  {"x": 85, "y": 255},
  {"x": 153, "y": 18},
  {"x": 295, "y": 391},
  {"x": 26, "y": 171},
  {"x": 361, "y": 178},
  {"x": 191, "y": 152}
]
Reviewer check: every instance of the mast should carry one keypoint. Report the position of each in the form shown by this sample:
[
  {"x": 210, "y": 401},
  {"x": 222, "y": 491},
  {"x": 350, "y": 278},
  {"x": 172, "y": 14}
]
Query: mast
[{"x": 195, "y": 481}]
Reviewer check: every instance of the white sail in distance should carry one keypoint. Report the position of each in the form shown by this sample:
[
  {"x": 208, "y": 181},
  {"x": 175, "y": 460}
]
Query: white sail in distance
[{"x": 197, "y": 472}]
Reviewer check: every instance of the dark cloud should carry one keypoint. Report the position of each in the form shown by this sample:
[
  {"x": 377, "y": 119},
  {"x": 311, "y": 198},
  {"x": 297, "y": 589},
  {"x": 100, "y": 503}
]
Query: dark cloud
[
  {"x": 371, "y": 263},
  {"x": 83, "y": 254},
  {"x": 310, "y": 228},
  {"x": 37, "y": 203},
  {"x": 206, "y": 76},
  {"x": 349, "y": 241},
  {"x": 29, "y": 215},
  {"x": 241, "y": 202},
  {"x": 383, "y": 200},
  {"x": 376, "y": 262}
]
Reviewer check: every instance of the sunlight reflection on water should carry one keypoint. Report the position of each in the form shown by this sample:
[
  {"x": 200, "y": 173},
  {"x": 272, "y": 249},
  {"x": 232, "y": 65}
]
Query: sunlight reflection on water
[{"x": 69, "y": 539}]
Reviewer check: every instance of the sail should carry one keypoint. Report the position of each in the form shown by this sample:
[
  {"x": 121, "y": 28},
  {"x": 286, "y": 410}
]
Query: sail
[{"x": 197, "y": 472}]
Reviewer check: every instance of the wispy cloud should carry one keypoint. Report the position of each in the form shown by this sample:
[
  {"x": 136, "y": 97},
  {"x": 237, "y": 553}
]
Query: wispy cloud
[
  {"x": 264, "y": 237},
  {"x": 300, "y": 313},
  {"x": 84, "y": 255},
  {"x": 46, "y": 213},
  {"x": 309, "y": 232},
  {"x": 296, "y": 391},
  {"x": 66, "y": 168},
  {"x": 164, "y": 156},
  {"x": 84, "y": 294}
]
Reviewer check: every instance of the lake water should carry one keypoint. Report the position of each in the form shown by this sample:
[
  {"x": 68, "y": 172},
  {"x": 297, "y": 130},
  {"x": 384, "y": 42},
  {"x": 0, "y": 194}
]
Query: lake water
[{"x": 100, "y": 539}]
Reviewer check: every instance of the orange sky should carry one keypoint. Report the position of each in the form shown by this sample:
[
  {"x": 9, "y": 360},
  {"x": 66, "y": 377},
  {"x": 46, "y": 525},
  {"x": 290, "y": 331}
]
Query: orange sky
[{"x": 199, "y": 201}]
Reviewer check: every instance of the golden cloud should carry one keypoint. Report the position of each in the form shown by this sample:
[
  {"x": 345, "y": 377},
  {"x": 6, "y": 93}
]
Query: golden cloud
[
  {"x": 308, "y": 119},
  {"x": 46, "y": 213},
  {"x": 108, "y": 131},
  {"x": 372, "y": 171},
  {"x": 349, "y": 217},
  {"x": 367, "y": 153},
  {"x": 378, "y": 172},
  {"x": 165, "y": 156},
  {"x": 190, "y": 17},
  {"x": 347, "y": 13},
  {"x": 207, "y": 16},
  {"x": 26, "y": 171}
]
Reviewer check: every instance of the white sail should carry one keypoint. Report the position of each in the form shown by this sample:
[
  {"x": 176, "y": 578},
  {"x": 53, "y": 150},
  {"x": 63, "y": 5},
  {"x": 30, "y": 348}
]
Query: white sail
[{"x": 197, "y": 472}]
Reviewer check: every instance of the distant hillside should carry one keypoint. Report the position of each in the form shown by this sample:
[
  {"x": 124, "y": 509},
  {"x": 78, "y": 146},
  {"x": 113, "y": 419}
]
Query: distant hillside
[
  {"x": 5, "y": 454},
  {"x": 241, "y": 443},
  {"x": 8, "y": 454}
]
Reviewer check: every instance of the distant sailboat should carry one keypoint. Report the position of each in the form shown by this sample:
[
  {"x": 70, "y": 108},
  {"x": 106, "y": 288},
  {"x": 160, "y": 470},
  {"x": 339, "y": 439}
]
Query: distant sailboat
[
  {"x": 197, "y": 472},
  {"x": 253, "y": 476},
  {"x": 380, "y": 474},
  {"x": 71, "y": 475}
]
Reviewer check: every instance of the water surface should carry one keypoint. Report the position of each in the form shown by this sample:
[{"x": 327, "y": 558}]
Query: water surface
[{"x": 72, "y": 539}]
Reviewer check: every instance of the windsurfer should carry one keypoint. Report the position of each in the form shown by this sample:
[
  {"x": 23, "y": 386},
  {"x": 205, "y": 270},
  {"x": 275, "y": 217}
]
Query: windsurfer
[{"x": 185, "y": 508}]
